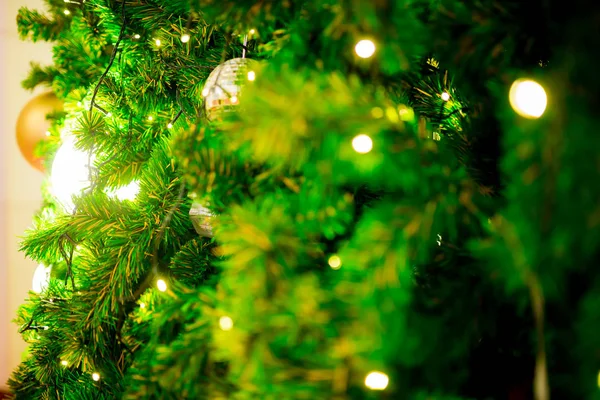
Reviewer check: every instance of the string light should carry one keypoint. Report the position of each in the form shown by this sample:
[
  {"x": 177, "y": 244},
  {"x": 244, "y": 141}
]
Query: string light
[
  {"x": 226, "y": 323},
  {"x": 335, "y": 262},
  {"x": 234, "y": 99},
  {"x": 445, "y": 96},
  {"x": 365, "y": 48},
  {"x": 69, "y": 174},
  {"x": 128, "y": 192},
  {"x": 185, "y": 38},
  {"x": 528, "y": 98},
  {"x": 376, "y": 380},
  {"x": 158, "y": 42},
  {"x": 169, "y": 125},
  {"x": 142, "y": 305},
  {"x": 96, "y": 376},
  {"x": 136, "y": 36},
  {"x": 252, "y": 31},
  {"x": 150, "y": 118},
  {"x": 67, "y": 12},
  {"x": 362, "y": 144},
  {"x": 64, "y": 363},
  {"x": 161, "y": 285},
  {"x": 41, "y": 278},
  {"x": 251, "y": 75}
]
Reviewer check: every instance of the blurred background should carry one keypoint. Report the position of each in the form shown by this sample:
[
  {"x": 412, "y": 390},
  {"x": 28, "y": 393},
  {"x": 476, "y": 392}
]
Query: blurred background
[{"x": 20, "y": 193}]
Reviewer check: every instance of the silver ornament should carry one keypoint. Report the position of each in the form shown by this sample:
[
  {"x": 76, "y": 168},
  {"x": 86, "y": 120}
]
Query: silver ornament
[
  {"x": 224, "y": 85},
  {"x": 201, "y": 219}
]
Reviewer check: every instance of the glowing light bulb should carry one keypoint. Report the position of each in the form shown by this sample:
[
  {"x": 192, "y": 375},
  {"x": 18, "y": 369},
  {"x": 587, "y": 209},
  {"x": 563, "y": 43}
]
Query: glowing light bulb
[
  {"x": 128, "y": 192},
  {"x": 41, "y": 278},
  {"x": 169, "y": 125},
  {"x": 150, "y": 118},
  {"x": 365, "y": 48},
  {"x": 226, "y": 323},
  {"x": 185, "y": 38},
  {"x": 64, "y": 363},
  {"x": 445, "y": 96},
  {"x": 48, "y": 133},
  {"x": 158, "y": 42},
  {"x": 252, "y": 31},
  {"x": 142, "y": 305},
  {"x": 251, "y": 75},
  {"x": 376, "y": 380},
  {"x": 67, "y": 12},
  {"x": 528, "y": 98},
  {"x": 335, "y": 262},
  {"x": 362, "y": 144},
  {"x": 234, "y": 99},
  {"x": 161, "y": 285},
  {"x": 136, "y": 36},
  {"x": 96, "y": 376},
  {"x": 69, "y": 174}
]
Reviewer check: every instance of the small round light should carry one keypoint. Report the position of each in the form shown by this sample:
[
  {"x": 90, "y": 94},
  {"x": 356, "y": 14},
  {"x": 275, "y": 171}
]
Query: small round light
[
  {"x": 169, "y": 125},
  {"x": 48, "y": 133},
  {"x": 158, "y": 42},
  {"x": 445, "y": 96},
  {"x": 64, "y": 363},
  {"x": 45, "y": 327},
  {"x": 252, "y": 31},
  {"x": 528, "y": 98},
  {"x": 234, "y": 99},
  {"x": 67, "y": 12},
  {"x": 150, "y": 118},
  {"x": 142, "y": 305},
  {"x": 161, "y": 285},
  {"x": 226, "y": 323},
  {"x": 335, "y": 262},
  {"x": 96, "y": 376},
  {"x": 362, "y": 144},
  {"x": 185, "y": 38},
  {"x": 376, "y": 380},
  {"x": 251, "y": 75},
  {"x": 365, "y": 48},
  {"x": 136, "y": 36}
]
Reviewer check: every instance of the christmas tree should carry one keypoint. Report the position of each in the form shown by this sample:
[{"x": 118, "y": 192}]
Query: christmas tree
[{"x": 316, "y": 199}]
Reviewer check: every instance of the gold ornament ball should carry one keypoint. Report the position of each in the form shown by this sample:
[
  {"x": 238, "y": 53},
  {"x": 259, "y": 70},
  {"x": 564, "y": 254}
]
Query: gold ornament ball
[{"x": 32, "y": 125}]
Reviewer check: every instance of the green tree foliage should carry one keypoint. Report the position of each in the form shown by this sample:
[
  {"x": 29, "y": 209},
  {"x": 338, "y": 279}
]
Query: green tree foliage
[{"x": 458, "y": 256}]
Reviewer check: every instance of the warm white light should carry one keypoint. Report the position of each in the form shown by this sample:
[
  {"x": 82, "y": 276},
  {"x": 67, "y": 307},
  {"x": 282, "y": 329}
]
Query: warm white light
[
  {"x": 69, "y": 174},
  {"x": 96, "y": 376},
  {"x": 169, "y": 125},
  {"x": 445, "y": 96},
  {"x": 161, "y": 285},
  {"x": 158, "y": 42},
  {"x": 234, "y": 99},
  {"x": 128, "y": 192},
  {"x": 528, "y": 98},
  {"x": 41, "y": 278},
  {"x": 185, "y": 38},
  {"x": 335, "y": 262},
  {"x": 136, "y": 36},
  {"x": 142, "y": 305},
  {"x": 252, "y": 31},
  {"x": 150, "y": 118},
  {"x": 67, "y": 12},
  {"x": 251, "y": 75},
  {"x": 376, "y": 380},
  {"x": 48, "y": 133},
  {"x": 64, "y": 362},
  {"x": 226, "y": 323},
  {"x": 362, "y": 144},
  {"x": 365, "y": 48}
]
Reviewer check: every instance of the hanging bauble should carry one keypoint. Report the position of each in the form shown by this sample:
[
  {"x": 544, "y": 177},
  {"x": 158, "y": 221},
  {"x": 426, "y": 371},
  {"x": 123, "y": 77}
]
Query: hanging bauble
[
  {"x": 33, "y": 124},
  {"x": 223, "y": 87},
  {"x": 201, "y": 219}
]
